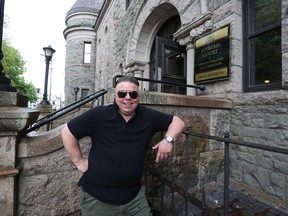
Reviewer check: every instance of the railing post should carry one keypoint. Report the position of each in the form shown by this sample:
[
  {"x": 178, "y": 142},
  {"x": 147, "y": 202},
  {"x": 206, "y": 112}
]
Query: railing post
[
  {"x": 162, "y": 188},
  {"x": 226, "y": 174},
  {"x": 186, "y": 168}
]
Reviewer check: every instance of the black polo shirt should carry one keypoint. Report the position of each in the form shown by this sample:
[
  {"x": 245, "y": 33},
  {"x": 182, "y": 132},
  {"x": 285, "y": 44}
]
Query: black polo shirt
[{"x": 117, "y": 155}]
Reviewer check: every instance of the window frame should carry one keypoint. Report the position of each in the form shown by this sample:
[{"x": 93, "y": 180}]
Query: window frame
[
  {"x": 87, "y": 53},
  {"x": 84, "y": 92},
  {"x": 248, "y": 86}
]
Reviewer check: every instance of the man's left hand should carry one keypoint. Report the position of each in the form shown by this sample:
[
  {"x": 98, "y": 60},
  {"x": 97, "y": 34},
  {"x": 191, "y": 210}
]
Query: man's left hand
[{"x": 164, "y": 150}]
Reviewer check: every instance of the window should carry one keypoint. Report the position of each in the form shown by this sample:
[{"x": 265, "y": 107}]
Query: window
[
  {"x": 87, "y": 52},
  {"x": 128, "y": 2},
  {"x": 174, "y": 64},
  {"x": 84, "y": 92},
  {"x": 168, "y": 59},
  {"x": 263, "y": 45}
]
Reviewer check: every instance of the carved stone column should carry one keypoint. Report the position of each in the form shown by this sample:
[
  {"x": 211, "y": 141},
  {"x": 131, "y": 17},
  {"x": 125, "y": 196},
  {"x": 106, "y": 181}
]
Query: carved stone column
[
  {"x": 44, "y": 111},
  {"x": 204, "y": 6},
  {"x": 136, "y": 70},
  {"x": 190, "y": 68},
  {"x": 15, "y": 117},
  {"x": 186, "y": 36},
  {"x": 188, "y": 42}
]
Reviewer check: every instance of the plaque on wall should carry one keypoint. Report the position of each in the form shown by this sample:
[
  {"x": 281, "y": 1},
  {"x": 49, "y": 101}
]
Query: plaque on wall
[{"x": 212, "y": 56}]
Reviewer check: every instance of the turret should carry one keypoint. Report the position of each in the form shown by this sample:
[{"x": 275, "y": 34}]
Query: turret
[{"x": 80, "y": 39}]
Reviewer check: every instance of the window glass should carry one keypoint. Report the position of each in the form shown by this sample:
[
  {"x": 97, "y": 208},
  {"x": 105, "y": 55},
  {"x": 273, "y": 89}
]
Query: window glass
[
  {"x": 174, "y": 62},
  {"x": 128, "y": 2},
  {"x": 84, "y": 92},
  {"x": 87, "y": 52},
  {"x": 263, "y": 54},
  {"x": 266, "y": 12},
  {"x": 267, "y": 53}
]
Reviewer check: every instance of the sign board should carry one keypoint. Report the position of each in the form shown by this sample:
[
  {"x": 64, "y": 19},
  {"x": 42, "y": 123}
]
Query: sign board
[{"x": 212, "y": 56}]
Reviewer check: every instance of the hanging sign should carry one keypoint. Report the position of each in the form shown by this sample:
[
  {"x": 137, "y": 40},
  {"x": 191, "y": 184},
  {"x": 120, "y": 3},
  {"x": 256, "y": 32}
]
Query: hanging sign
[{"x": 212, "y": 56}]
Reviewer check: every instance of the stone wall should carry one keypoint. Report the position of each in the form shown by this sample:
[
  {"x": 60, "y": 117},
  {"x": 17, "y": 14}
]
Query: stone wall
[
  {"x": 123, "y": 33},
  {"x": 15, "y": 117},
  {"x": 260, "y": 118}
]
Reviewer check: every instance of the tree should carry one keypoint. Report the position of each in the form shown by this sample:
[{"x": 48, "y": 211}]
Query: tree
[{"x": 14, "y": 68}]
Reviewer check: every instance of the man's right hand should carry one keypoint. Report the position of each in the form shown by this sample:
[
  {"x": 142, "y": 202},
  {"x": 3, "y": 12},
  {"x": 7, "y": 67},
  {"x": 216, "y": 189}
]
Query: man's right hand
[{"x": 82, "y": 165}]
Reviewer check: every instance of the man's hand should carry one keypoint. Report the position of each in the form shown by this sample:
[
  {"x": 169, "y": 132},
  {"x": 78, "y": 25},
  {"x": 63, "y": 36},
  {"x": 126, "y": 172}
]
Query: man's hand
[
  {"x": 82, "y": 165},
  {"x": 164, "y": 150}
]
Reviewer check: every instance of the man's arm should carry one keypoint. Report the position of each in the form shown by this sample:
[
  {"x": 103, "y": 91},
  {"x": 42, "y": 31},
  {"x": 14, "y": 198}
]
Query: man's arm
[
  {"x": 71, "y": 145},
  {"x": 164, "y": 147}
]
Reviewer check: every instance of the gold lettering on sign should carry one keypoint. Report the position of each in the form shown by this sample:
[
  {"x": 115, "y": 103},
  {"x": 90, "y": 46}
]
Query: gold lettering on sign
[
  {"x": 212, "y": 37},
  {"x": 212, "y": 74}
]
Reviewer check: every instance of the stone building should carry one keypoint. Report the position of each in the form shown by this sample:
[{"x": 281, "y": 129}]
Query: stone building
[{"x": 237, "y": 48}]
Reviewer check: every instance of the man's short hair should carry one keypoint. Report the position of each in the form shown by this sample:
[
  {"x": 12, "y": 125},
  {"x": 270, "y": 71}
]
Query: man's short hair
[{"x": 127, "y": 79}]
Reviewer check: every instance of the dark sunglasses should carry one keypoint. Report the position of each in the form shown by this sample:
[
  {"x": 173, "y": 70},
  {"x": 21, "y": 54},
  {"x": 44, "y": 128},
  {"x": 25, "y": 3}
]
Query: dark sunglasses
[{"x": 132, "y": 94}]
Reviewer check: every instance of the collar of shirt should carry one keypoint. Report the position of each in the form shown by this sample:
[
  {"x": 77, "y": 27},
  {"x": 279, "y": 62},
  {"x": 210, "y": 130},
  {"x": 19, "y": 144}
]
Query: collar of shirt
[{"x": 117, "y": 112}]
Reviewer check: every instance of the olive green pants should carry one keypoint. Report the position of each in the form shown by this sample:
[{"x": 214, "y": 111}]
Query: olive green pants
[{"x": 93, "y": 207}]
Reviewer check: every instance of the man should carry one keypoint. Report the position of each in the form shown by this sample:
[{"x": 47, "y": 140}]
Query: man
[{"x": 120, "y": 135}]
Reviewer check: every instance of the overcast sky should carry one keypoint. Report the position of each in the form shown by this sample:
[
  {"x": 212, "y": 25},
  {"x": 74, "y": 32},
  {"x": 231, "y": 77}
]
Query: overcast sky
[{"x": 32, "y": 25}]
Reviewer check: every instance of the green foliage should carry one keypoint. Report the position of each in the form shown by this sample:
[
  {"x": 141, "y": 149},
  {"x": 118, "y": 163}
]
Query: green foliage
[{"x": 14, "y": 68}]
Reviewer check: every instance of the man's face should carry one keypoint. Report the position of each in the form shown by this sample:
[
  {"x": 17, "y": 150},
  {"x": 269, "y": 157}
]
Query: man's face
[{"x": 127, "y": 105}]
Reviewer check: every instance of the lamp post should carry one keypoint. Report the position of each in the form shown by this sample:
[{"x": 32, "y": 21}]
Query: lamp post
[
  {"x": 48, "y": 52},
  {"x": 76, "y": 90}
]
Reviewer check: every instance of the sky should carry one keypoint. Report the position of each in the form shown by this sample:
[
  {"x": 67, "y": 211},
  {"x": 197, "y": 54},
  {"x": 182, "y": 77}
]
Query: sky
[{"x": 32, "y": 25}]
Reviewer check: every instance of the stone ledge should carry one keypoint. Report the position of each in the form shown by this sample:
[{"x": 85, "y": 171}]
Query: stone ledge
[
  {"x": 183, "y": 100},
  {"x": 16, "y": 118},
  {"x": 252, "y": 98},
  {"x": 260, "y": 195},
  {"x": 40, "y": 143}
]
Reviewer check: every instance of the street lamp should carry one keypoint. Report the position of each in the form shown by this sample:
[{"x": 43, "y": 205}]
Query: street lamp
[
  {"x": 48, "y": 52},
  {"x": 76, "y": 90}
]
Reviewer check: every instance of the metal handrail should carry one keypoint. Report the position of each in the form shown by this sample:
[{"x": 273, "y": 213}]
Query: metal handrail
[
  {"x": 183, "y": 192},
  {"x": 63, "y": 111}
]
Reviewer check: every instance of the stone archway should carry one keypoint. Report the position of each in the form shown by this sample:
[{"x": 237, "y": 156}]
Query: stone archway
[{"x": 146, "y": 26}]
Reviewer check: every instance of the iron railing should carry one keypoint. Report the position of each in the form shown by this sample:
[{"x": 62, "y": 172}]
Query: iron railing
[
  {"x": 63, "y": 111},
  {"x": 189, "y": 199}
]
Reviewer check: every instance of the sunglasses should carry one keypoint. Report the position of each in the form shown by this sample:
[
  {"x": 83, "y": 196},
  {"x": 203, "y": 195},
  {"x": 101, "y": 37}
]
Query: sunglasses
[{"x": 132, "y": 94}]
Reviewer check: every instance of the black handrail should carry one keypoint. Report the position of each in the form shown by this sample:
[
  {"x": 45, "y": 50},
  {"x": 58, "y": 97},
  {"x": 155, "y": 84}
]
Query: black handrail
[
  {"x": 58, "y": 113},
  {"x": 200, "y": 87}
]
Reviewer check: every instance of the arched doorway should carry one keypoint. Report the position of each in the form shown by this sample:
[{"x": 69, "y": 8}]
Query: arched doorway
[{"x": 168, "y": 59}]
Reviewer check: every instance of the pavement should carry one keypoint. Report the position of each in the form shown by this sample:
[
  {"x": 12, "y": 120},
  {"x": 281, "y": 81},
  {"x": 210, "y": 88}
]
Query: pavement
[{"x": 241, "y": 203}]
